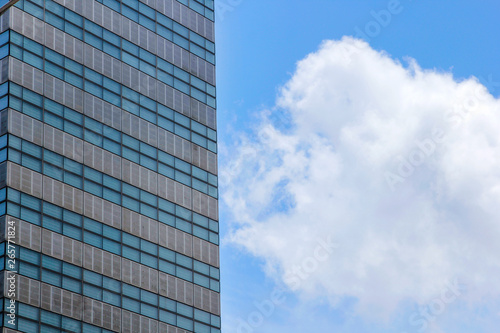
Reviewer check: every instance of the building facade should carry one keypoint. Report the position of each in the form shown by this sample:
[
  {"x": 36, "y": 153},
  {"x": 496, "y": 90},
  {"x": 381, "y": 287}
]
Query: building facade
[{"x": 108, "y": 167}]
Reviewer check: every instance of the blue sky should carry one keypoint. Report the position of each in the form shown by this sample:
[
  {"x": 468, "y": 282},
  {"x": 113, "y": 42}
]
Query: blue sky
[{"x": 312, "y": 152}]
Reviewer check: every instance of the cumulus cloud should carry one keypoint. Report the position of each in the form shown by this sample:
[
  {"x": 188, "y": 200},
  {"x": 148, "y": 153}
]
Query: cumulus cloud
[{"x": 399, "y": 165}]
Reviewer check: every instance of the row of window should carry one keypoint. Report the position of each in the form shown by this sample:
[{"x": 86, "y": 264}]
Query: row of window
[
  {"x": 4, "y": 44},
  {"x": 86, "y": 230},
  {"x": 3, "y": 193},
  {"x": 107, "y": 138},
  {"x": 88, "y": 283},
  {"x": 54, "y": 170},
  {"x": 123, "y": 145},
  {"x": 134, "y": 102},
  {"x": 198, "y": 6},
  {"x": 140, "y": 12},
  {"x": 165, "y": 72},
  {"x": 4, "y": 51},
  {"x": 3, "y": 148},
  {"x": 103, "y": 87},
  {"x": 32, "y": 319},
  {"x": 99, "y": 184},
  {"x": 144, "y": 16}
]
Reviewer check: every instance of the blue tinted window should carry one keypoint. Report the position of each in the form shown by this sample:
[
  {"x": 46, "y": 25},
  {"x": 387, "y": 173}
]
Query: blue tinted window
[{"x": 74, "y": 30}]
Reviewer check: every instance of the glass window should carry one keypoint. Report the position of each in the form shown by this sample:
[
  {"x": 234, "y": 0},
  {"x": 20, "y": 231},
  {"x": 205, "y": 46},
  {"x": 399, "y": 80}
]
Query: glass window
[
  {"x": 73, "y": 30},
  {"x": 199, "y": 128},
  {"x": 73, "y": 166},
  {"x": 201, "y": 280},
  {"x": 71, "y": 325},
  {"x": 73, "y": 66},
  {"x": 92, "y": 277},
  {"x": 73, "y": 17},
  {"x": 112, "y": 284},
  {"x": 183, "y": 225},
  {"x": 131, "y": 203},
  {"x": 51, "y": 263},
  {"x": 93, "y": 174},
  {"x": 93, "y": 89},
  {"x": 92, "y": 225},
  {"x": 184, "y": 323},
  {"x": 212, "y": 135},
  {"x": 131, "y": 240},
  {"x": 71, "y": 284},
  {"x": 93, "y": 28},
  {"x": 146, "y": 10},
  {"x": 148, "y": 198},
  {"x": 52, "y": 210},
  {"x": 73, "y": 79},
  {"x": 150, "y": 311},
  {"x": 111, "y": 49},
  {"x": 165, "y": 78},
  {"x": 148, "y": 211},
  {"x": 112, "y": 196},
  {"x": 130, "y": 59},
  {"x": 132, "y": 191},
  {"x": 149, "y": 260},
  {"x": 162, "y": 19},
  {"x": 73, "y": 218},
  {"x": 29, "y": 256},
  {"x": 92, "y": 188},
  {"x": 113, "y": 4},
  {"x": 212, "y": 179},
  {"x": 92, "y": 239},
  {"x": 93, "y": 40},
  {"x": 93, "y": 138},
  {"x": 93, "y": 76},
  {"x": 111, "y": 298},
  {"x": 182, "y": 178},
  {"x": 148, "y": 115},
  {"x": 52, "y": 224},
  {"x": 184, "y": 261},
  {"x": 131, "y": 305},
  {"x": 200, "y": 220},
  {"x": 92, "y": 291},
  {"x": 72, "y": 232},
  {"x": 111, "y": 38},
  {"x": 131, "y": 291},
  {"x": 34, "y": 10},
  {"x": 111, "y": 246},
  {"x": 200, "y": 232},
  {"x": 166, "y": 267},
  {"x": 183, "y": 212},
  {"x": 54, "y": 20},
  {"x": 130, "y": 107},
  {"x": 210, "y": 58},
  {"x": 146, "y": 22},
  {"x": 28, "y": 270},
  {"x": 130, "y": 47},
  {"x": 4, "y": 51},
  {"x": 72, "y": 270},
  {"x": 29, "y": 311},
  {"x": 181, "y": 30},
  {"x": 4, "y": 37},
  {"x": 130, "y": 253}
]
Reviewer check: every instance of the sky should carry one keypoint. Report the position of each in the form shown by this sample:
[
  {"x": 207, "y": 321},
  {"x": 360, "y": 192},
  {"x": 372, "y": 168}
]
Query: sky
[{"x": 358, "y": 165}]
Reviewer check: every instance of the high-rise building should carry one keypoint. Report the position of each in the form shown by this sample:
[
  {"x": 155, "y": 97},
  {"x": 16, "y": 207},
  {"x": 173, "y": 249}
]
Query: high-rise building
[{"x": 108, "y": 167}]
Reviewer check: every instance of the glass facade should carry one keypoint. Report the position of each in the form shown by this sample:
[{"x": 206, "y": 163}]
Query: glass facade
[{"x": 108, "y": 167}]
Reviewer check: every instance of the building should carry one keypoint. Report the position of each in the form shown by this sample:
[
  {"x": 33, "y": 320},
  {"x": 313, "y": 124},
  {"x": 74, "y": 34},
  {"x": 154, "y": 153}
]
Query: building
[{"x": 108, "y": 166}]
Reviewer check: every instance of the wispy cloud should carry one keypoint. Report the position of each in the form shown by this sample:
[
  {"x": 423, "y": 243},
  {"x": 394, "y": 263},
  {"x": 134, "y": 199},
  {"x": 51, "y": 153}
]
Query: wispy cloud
[{"x": 400, "y": 165}]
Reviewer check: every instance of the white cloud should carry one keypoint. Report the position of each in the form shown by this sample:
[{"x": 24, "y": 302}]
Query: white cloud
[{"x": 400, "y": 165}]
